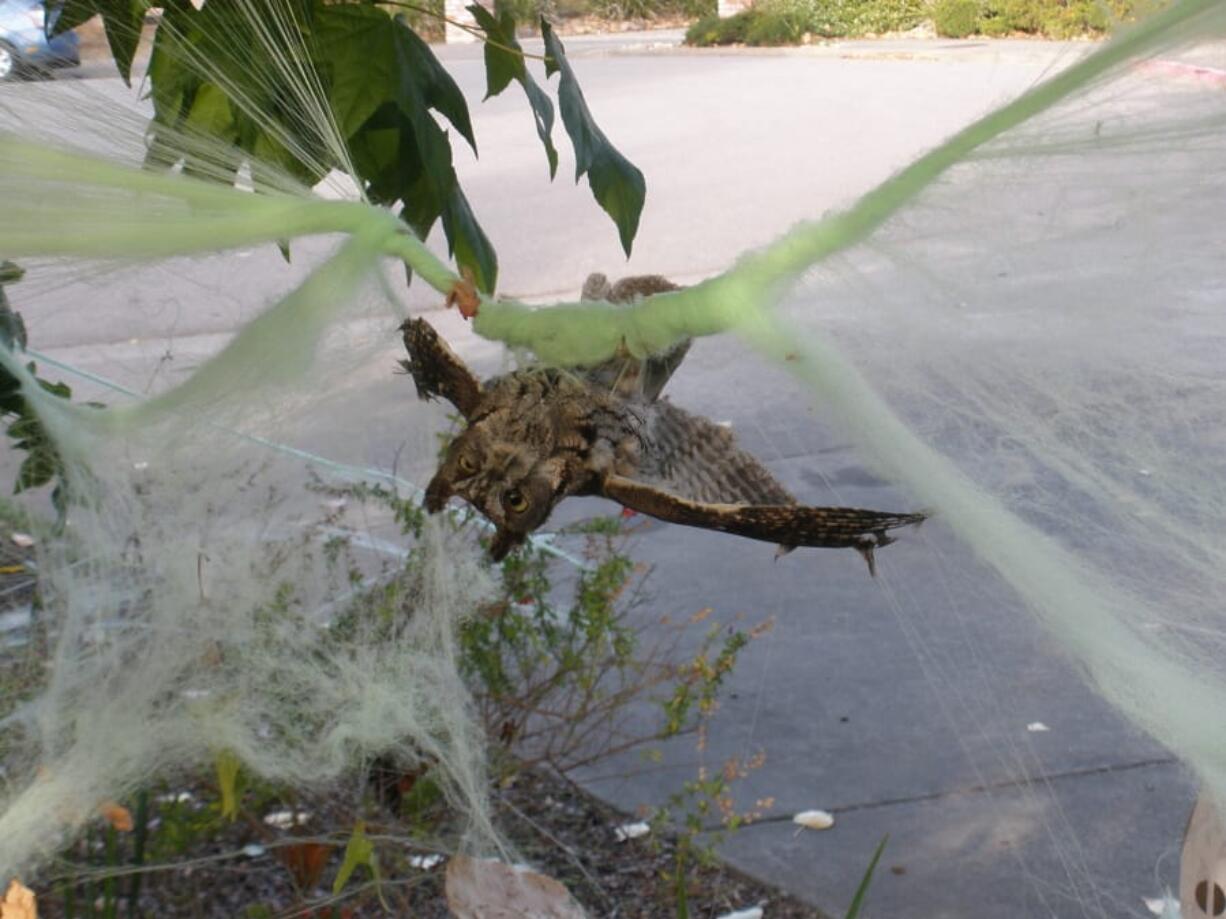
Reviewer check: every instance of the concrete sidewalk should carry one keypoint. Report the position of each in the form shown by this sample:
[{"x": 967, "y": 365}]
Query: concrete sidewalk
[{"x": 902, "y": 706}]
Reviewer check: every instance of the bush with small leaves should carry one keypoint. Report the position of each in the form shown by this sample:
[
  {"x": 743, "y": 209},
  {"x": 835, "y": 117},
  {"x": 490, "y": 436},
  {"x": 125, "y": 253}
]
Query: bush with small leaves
[
  {"x": 774, "y": 27},
  {"x": 712, "y": 30},
  {"x": 956, "y": 18}
]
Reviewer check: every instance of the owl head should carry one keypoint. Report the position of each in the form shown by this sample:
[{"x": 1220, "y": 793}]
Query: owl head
[{"x": 506, "y": 466}]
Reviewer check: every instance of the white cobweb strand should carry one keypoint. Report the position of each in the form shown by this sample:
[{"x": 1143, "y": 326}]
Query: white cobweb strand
[
  {"x": 194, "y": 607},
  {"x": 1048, "y": 376}
]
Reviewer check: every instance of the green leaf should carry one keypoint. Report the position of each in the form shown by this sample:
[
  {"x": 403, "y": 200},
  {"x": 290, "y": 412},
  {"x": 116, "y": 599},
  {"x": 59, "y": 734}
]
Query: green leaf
[
  {"x": 504, "y": 62},
  {"x": 359, "y": 851},
  {"x": 227, "y": 783},
  {"x": 354, "y": 47},
  {"x": 173, "y": 84},
  {"x": 862, "y": 891},
  {"x": 617, "y": 184},
  {"x": 71, "y": 13},
  {"x": 468, "y": 242},
  {"x": 217, "y": 99},
  {"x": 371, "y": 57},
  {"x": 502, "y": 65},
  {"x": 437, "y": 88},
  {"x": 38, "y": 468},
  {"x": 12, "y": 326},
  {"x": 122, "y": 21}
]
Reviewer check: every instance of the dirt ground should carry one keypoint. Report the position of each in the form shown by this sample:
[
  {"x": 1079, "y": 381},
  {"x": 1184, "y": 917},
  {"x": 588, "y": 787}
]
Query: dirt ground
[{"x": 250, "y": 870}]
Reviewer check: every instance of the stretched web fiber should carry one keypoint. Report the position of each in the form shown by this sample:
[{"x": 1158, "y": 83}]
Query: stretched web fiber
[{"x": 1047, "y": 383}]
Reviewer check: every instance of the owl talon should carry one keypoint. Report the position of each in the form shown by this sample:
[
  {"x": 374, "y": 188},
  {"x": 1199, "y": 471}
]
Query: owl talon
[{"x": 866, "y": 552}]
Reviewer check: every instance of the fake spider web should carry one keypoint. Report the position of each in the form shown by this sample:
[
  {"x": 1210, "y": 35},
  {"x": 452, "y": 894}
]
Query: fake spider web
[{"x": 1052, "y": 389}]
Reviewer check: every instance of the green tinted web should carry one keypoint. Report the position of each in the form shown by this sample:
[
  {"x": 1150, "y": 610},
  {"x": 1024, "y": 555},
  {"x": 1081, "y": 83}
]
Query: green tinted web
[{"x": 1083, "y": 468}]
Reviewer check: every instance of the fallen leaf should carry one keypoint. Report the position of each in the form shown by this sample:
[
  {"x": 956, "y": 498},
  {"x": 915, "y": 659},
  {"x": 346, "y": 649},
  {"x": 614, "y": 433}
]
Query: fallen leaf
[
  {"x": 22, "y": 540},
  {"x": 487, "y": 889},
  {"x": 18, "y": 902},
  {"x": 814, "y": 820},
  {"x": 118, "y": 816},
  {"x": 304, "y": 861}
]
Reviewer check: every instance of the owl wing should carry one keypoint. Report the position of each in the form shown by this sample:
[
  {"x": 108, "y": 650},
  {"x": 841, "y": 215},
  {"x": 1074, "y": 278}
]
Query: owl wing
[
  {"x": 627, "y": 376},
  {"x": 437, "y": 370},
  {"x": 786, "y": 524}
]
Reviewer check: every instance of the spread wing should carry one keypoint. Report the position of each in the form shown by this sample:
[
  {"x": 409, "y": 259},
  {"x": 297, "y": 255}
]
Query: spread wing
[
  {"x": 623, "y": 374},
  {"x": 437, "y": 370},
  {"x": 692, "y": 471},
  {"x": 786, "y": 524}
]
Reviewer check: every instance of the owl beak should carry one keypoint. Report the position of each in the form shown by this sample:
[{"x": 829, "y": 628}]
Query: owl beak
[
  {"x": 503, "y": 542},
  {"x": 438, "y": 492}
]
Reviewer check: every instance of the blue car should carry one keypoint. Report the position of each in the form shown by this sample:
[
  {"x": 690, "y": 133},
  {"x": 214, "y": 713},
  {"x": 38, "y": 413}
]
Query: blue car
[{"x": 24, "y": 46}]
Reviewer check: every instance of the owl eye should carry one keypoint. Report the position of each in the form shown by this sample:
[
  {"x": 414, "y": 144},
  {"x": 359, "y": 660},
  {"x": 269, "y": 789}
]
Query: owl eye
[
  {"x": 467, "y": 466},
  {"x": 515, "y": 500}
]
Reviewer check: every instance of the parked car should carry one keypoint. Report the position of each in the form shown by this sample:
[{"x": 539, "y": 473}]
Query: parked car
[{"x": 24, "y": 46}]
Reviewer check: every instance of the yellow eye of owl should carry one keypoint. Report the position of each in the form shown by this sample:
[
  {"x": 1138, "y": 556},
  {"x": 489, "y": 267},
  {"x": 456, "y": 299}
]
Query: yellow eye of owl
[
  {"x": 467, "y": 466},
  {"x": 516, "y": 501}
]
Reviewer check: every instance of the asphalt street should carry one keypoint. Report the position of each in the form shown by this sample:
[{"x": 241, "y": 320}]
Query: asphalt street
[{"x": 914, "y": 718}]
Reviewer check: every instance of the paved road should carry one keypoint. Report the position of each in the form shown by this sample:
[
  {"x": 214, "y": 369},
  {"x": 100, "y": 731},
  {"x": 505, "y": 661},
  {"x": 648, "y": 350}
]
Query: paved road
[{"x": 904, "y": 716}]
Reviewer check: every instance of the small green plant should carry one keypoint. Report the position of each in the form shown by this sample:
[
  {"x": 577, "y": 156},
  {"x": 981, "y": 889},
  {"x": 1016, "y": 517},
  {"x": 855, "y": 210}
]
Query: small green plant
[
  {"x": 688, "y": 814},
  {"x": 555, "y": 662},
  {"x": 857, "y": 902},
  {"x": 955, "y": 18}
]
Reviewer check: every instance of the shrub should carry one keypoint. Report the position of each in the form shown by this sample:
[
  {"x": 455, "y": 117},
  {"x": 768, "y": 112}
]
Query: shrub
[
  {"x": 955, "y": 18},
  {"x": 879, "y": 16},
  {"x": 1059, "y": 20},
  {"x": 772, "y": 27},
  {"x": 778, "y": 22},
  {"x": 626, "y": 9},
  {"x": 635, "y": 9},
  {"x": 786, "y": 22},
  {"x": 711, "y": 30},
  {"x": 693, "y": 9}
]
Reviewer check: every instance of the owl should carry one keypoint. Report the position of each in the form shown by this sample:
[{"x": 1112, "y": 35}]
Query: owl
[{"x": 536, "y": 436}]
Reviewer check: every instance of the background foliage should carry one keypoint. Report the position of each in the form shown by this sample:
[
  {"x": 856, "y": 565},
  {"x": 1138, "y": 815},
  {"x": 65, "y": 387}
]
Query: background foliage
[{"x": 784, "y": 22}]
